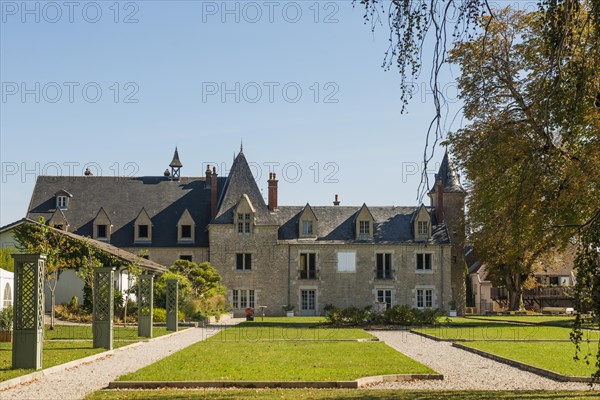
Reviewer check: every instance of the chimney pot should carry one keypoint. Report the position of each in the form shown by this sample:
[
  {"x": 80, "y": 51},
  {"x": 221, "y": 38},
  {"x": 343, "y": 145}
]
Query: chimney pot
[{"x": 336, "y": 202}]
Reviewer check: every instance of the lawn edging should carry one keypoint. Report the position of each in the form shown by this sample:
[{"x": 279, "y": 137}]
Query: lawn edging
[
  {"x": 526, "y": 367},
  {"x": 19, "y": 380},
  {"x": 355, "y": 384}
]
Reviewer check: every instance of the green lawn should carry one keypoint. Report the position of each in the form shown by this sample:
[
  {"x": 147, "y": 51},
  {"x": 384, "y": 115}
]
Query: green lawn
[
  {"x": 84, "y": 332},
  {"x": 271, "y": 350},
  {"x": 337, "y": 394},
  {"x": 554, "y": 356},
  {"x": 288, "y": 329},
  {"x": 59, "y": 347},
  {"x": 499, "y": 331},
  {"x": 537, "y": 319}
]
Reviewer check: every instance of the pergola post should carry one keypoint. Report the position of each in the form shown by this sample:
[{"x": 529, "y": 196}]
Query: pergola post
[
  {"x": 145, "y": 304},
  {"x": 172, "y": 304},
  {"x": 28, "y": 314},
  {"x": 104, "y": 284}
]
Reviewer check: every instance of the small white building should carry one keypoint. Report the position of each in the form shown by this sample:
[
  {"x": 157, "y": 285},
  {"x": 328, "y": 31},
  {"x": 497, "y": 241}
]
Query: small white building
[{"x": 6, "y": 288}]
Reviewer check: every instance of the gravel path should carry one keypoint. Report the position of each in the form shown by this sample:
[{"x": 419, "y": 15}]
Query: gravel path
[
  {"x": 77, "y": 382},
  {"x": 464, "y": 370}
]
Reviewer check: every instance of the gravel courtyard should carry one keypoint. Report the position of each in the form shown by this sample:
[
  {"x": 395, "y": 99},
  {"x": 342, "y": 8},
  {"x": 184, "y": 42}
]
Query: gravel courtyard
[{"x": 464, "y": 370}]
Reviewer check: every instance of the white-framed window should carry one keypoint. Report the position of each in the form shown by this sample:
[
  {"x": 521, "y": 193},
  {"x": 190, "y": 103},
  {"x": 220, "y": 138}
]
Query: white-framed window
[
  {"x": 307, "y": 227},
  {"x": 384, "y": 266},
  {"x": 243, "y": 261},
  {"x": 242, "y": 298},
  {"x": 424, "y": 261},
  {"x": 61, "y": 202},
  {"x": 308, "y": 300},
  {"x": 346, "y": 261},
  {"x": 243, "y": 223},
  {"x": 308, "y": 266},
  {"x": 364, "y": 227},
  {"x": 384, "y": 296},
  {"x": 423, "y": 228},
  {"x": 424, "y": 298}
]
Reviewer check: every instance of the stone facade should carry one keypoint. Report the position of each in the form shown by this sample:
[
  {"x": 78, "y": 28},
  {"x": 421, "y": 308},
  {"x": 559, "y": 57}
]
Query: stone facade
[{"x": 277, "y": 256}]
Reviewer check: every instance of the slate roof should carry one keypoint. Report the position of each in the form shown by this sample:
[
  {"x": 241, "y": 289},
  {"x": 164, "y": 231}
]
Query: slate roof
[
  {"x": 123, "y": 199},
  {"x": 392, "y": 225},
  {"x": 449, "y": 176},
  {"x": 239, "y": 182}
]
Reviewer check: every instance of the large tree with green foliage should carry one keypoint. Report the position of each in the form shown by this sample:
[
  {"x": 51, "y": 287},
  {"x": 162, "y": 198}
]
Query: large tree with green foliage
[
  {"x": 531, "y": 149},
  {"x": 204, "y": 279},
  {"x": 421, "y": 32}
]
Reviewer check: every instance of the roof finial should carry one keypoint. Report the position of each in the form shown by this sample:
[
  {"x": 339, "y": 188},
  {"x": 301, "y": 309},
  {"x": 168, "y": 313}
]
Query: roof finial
[{"x": 241, "y": 146}]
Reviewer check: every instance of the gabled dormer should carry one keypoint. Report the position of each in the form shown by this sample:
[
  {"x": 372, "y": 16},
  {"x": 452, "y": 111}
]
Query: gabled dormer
[
  {"x": 307, "y": 223},
  {"x": 421, "y": 222},
  {"x": 102, "y": 226},
  {"x": 186, "y": 228},
  {"x": 143, "y": 228},
  {"x": 62, "y": 199},
  {"x": 244, "y": 215},
  {"x": 58, "y": 220},
  {"x": 363, "y": 224}
]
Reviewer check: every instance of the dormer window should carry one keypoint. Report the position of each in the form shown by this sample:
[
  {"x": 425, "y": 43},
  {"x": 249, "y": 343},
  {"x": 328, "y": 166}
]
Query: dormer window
[
  {"x": 143, "y": 228},
  {"x": 143, "y": 232},
  {"x": 102, "y": 226},
  {"x": 423, "y": 228},
  {"x": 243, "y": 223},
  {"x": 101, "y": 231},
  {"x": 364, "y": 227},
  {"x": 61, "y": 202},
  {"x": 421, "y": 221},
  {"x": 307, "y": 223},
  {"x": 186, "y": 228},
  {"x": 307, "y": 228},
  {"x": 364, "y": 224}
]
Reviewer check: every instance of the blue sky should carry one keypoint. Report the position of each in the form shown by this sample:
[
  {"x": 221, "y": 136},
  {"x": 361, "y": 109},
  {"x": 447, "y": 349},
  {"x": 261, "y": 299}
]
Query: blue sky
[{"x": 116, "y": 86}]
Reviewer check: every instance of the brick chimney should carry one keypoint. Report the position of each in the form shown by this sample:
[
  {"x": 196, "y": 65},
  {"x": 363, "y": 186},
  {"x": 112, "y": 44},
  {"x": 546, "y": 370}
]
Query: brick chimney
[
  {"x": 213, "y": 193},
  {"x": 208, "y": 177},
  {"x": 272, "y": 191},
  {"x": 336, "y": 202},
  {"x": 439, "y": 200}
]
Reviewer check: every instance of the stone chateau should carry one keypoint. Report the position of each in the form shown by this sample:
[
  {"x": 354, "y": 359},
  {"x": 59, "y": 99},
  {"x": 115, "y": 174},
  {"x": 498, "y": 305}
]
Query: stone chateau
[{"x": 271, "y": 255}]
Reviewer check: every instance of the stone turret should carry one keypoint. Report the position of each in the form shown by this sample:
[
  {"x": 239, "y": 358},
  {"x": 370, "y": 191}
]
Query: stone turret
[{"x": 448, "y": 197}]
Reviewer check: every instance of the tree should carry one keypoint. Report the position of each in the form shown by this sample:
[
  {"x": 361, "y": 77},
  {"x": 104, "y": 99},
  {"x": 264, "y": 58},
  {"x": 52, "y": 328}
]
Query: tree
[
  {"x": 532, "y": 148},
  {"x": 587, "y": 290},
  {"x": 204, "y": 279},
  {"x": 6, "y": 260},
  {"x": 447, "y": 22}
]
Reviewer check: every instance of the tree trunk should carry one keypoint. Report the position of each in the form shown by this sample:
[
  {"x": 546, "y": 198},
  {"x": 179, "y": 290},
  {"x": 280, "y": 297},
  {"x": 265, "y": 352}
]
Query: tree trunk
[
  {"x": 515, "y": 292},
  {"x": 53, "y": 304}
]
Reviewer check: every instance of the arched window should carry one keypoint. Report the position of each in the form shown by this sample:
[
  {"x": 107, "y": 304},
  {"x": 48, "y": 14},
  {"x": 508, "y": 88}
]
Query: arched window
[{"x": 7, "y": 295}]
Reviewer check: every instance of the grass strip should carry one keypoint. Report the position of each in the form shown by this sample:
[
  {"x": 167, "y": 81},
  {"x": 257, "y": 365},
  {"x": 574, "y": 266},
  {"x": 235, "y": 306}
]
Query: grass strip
[
  {"x": 553, "y": 356},
  {"x": 338, "y": 394}
]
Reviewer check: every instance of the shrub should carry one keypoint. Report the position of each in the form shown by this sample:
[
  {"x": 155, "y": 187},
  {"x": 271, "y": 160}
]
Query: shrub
[
  {"x": 73, "y": 303},
  {"x": 397, "y": 315},
  {"x": 159, "y": 315},
  {"x": 6, "y": 319}
]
